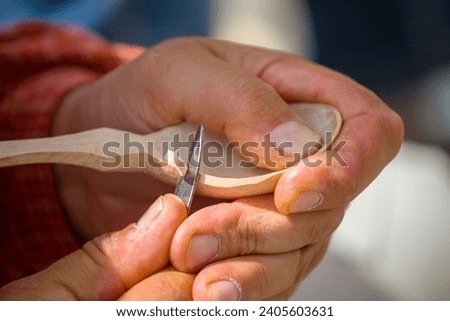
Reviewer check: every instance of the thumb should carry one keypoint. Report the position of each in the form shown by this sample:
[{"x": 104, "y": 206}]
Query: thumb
[
  {"x": 110, "y": 264},
  {"x": 235, "y": 102}
]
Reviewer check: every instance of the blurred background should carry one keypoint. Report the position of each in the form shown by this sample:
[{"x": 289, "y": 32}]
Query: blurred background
[{"x": 394, "y": 243}]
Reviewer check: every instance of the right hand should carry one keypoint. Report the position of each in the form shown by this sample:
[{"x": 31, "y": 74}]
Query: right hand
[{"x": 129, "y": 264}]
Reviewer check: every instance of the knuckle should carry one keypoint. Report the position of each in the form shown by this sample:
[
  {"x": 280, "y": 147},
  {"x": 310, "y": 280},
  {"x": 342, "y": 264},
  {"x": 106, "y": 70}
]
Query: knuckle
[
  {"x": 95, "y": 253},
  {"x": 99, "y": 257},
  {"x": 252, "y": 94},
  {"x": 388, "y": 131},
  {"x": 99, "y": 253},
  {"x": 395, "y": 129},
  {"x": 324, "y": 226},
  {"x": 250, "y": 241},
  {"x": 341, "y": 89},
  {"x": 333, "y": 219},
  {"x": 262, "y": 275},
  {"x": 307, "y": 259},
  {"x": 315, "y": 231},
  {"x": 301, "y": 266}
]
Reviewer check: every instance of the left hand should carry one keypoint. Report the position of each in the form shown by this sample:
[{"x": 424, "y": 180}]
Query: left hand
[
  {"x": 235, "y": 90},
  {"x": 198, "y": 80},
  {"x": 254, "y": 237}
]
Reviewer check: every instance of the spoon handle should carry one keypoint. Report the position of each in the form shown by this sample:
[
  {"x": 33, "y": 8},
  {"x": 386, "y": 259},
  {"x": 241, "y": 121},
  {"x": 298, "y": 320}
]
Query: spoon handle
[{"x": 87, "y": 149}]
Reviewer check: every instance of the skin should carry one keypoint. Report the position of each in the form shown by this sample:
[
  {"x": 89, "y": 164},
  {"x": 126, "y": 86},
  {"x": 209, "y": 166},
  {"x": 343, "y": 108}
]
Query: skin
[
  {"x": 109, "y": 266},
  {"x": 209, "y": 81}
]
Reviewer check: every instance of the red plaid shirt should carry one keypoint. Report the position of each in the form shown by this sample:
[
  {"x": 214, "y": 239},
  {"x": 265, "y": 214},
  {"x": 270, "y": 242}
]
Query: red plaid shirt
[{"x": 39, "y": 64}]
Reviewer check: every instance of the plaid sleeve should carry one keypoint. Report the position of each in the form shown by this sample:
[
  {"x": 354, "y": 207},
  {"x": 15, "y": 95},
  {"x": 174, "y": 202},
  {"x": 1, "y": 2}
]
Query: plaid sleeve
[{"x": 39, "y": 64}]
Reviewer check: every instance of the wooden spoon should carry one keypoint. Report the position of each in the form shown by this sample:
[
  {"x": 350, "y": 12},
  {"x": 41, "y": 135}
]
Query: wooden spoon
[{"x": 222, "y": 176}]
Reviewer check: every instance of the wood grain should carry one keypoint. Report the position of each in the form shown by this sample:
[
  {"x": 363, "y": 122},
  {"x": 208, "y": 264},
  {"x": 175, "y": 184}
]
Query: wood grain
[{"x": 112, "y": 150}]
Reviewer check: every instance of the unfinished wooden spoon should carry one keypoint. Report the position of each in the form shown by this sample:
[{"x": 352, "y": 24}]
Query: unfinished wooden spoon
[{"x": 162, "y": 154}]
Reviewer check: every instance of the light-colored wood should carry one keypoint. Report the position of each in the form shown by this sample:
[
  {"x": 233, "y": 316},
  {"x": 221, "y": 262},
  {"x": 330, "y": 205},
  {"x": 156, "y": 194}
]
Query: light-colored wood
[{"x": 113, "y": 150}]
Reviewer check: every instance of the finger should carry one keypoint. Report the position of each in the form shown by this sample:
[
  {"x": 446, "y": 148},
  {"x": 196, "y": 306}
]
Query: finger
[
  {"x": 335, "y": 177},
  {"x": 110, "y": 264},
  {"x": 372, "y": 133},
  {"x": 296, "y": 79},
  {"x": 236, "y": 103},
  {"x": 167, "y": 285},
  {"x": 247, "y": 226},
  {"x": 370, "y": 137},
  {"x": 256, "y": 277}
]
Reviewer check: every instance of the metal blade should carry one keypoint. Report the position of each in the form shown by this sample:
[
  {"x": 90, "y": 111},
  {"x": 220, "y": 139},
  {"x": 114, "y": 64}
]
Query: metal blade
[{"x": 186, "y": 184}]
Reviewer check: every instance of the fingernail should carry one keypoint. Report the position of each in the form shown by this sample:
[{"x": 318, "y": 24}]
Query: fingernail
[
  {"x": 306, "y": 201},
  {"x": 292, "y": 138},
  {"x": 224, "y": 290},
  {"x": 152, "y": 213},
  {"x": 203, "y": 249}
]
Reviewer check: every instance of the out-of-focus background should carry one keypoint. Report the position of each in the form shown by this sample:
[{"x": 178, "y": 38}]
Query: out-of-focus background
[{"x": 394, "y": 243}]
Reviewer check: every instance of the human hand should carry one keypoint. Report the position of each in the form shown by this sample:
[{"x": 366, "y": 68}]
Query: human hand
[
  {"x": 316, "y": 190},
  {"x": 247, "y": 250},
  {"x": 372, "y": 131},
  {"x": 184, "y": 79},
  {"x": 236, "y": 90},
  {"x": 128, "y": 264}
]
